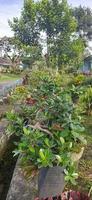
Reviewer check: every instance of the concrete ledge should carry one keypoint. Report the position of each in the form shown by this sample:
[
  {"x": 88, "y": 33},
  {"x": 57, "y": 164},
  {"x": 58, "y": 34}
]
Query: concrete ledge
[
  {"x": 3, "y": 137},
  {"x": 20, "y": 187}
]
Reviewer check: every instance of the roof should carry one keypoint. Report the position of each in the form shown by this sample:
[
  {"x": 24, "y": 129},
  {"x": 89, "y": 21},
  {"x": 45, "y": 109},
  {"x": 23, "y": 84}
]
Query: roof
[{"x": 5, "y": 62}]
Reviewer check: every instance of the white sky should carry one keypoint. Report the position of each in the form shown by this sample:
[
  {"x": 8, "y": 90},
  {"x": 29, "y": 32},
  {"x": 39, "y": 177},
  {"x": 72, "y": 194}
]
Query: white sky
[
  {"x": 8, "y": 10},
  {"x": 12, "y": 8},
  {"x": 81, "y": 2}
]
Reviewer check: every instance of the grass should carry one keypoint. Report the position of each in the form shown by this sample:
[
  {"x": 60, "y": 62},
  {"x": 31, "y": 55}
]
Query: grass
[{"x": 8, "y": 77}]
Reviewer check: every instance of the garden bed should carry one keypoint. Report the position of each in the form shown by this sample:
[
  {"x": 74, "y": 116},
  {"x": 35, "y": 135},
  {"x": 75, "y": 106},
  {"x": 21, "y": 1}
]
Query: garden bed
[{"x": 47, "y": 121}]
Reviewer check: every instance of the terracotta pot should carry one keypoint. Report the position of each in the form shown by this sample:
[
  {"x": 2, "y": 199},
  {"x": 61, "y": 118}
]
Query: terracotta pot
[{"x": 50, "y": 182}]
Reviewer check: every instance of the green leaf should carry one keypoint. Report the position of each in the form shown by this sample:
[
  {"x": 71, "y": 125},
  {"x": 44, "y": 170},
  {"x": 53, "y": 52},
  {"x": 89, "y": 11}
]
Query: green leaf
[
  {"x": 16, "y": 152},
  {"x": 26, "y": 131},
  {"x": 58, "y": 158},
  {"x": 47, "y": 142},
  {"x": 70, "y": 145},
  {"x": 75, "y": 175},
  {"x": 32, "y": 149},
  {"x": 65, "y": 171},
  {"x": 62, "y": 140},
  {"x": 41, "y": 153}
]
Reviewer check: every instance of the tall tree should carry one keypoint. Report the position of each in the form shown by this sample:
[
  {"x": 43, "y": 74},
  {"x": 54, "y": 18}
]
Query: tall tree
[
  {"x": 55, "y": 18},
  {"x": 25, "y": 28},
  {"x": 84, "y": 19},
  {"x": 26, "y": 33},
  {"x": 30, "y": 54}
]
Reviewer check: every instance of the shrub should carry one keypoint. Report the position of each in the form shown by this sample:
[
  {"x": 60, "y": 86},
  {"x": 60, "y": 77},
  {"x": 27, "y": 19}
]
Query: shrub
[
  {"x": 79, "y": 79},
  {"x": 87, "y": 81},
  {"x": 76, "y": 91},
  {"x": 86, "y": 100},
  {"x": 20, "y": 90},
  {"x": 50, "y": 130},
  {"x": 19, "y": 94}
]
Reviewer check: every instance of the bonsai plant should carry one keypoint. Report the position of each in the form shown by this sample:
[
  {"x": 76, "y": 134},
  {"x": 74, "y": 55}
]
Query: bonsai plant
[{"x": 54, "y": 136}]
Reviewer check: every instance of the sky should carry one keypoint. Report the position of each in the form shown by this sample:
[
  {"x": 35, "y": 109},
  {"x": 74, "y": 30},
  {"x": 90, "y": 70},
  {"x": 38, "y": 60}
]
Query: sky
[
  {"x": 8, "y": 10},
  {"x": 12, "y": 8},
  {"x": 87, "y": 3}
]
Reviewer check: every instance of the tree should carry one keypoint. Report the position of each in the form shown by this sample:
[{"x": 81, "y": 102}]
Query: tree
[
  {"x": 30, "y": 54},
  {"x": 10, "y": 51},
  {"x": 57, "y": 21},
  {"x": 25, "y": 28},
  {"x": 55, "y": 18},
  {"x": 26, "y": 33},
  {"x": 84, "y": 19}
]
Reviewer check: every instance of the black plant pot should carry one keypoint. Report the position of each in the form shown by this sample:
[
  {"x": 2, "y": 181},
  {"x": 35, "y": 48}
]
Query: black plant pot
[{"x": 51, "y": 182}]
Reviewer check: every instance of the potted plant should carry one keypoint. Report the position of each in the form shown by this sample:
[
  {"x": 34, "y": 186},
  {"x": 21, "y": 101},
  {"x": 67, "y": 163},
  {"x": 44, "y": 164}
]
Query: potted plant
[{"x": 53, "y": 137}]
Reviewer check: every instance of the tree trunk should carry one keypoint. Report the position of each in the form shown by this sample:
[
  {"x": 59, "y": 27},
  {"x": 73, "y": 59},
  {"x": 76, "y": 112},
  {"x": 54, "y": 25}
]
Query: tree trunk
[{"x": 48, "y": 53}]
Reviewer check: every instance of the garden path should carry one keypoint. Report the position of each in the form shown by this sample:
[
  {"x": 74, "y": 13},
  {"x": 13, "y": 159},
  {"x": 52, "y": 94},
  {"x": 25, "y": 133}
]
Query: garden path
[{"x": 6, "y": 86}]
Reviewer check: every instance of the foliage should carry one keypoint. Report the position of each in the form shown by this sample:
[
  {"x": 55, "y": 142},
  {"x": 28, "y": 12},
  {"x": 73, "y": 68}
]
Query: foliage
[
  {"x": 78, "y": 79},
  {"x": 59, "y": 78},
  {"x": 19, "y": 94},
  {"x": 11, "y": 52},
  {"x": 86, "y": 100},
  {"x": 81, "y": 80},
  {"x": 84, "y": 18},
  {"x": 84, "y": 181},
  {"x": 25, "y": 28},
  {"x": 55, "y": 19},
  {"x": 39, "y": 65},
  {"x": 16, "y": 123},
  {"x": 41, "y": 151},
  {"x": 26, "y": 34},
  {"x": 30, "y": 55},
  {"x": 87, "y": 81},
  {"x": 76, "y": 91},
  {"x": 49, "y": 127},
  {"x": 20, "y": 90}
]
